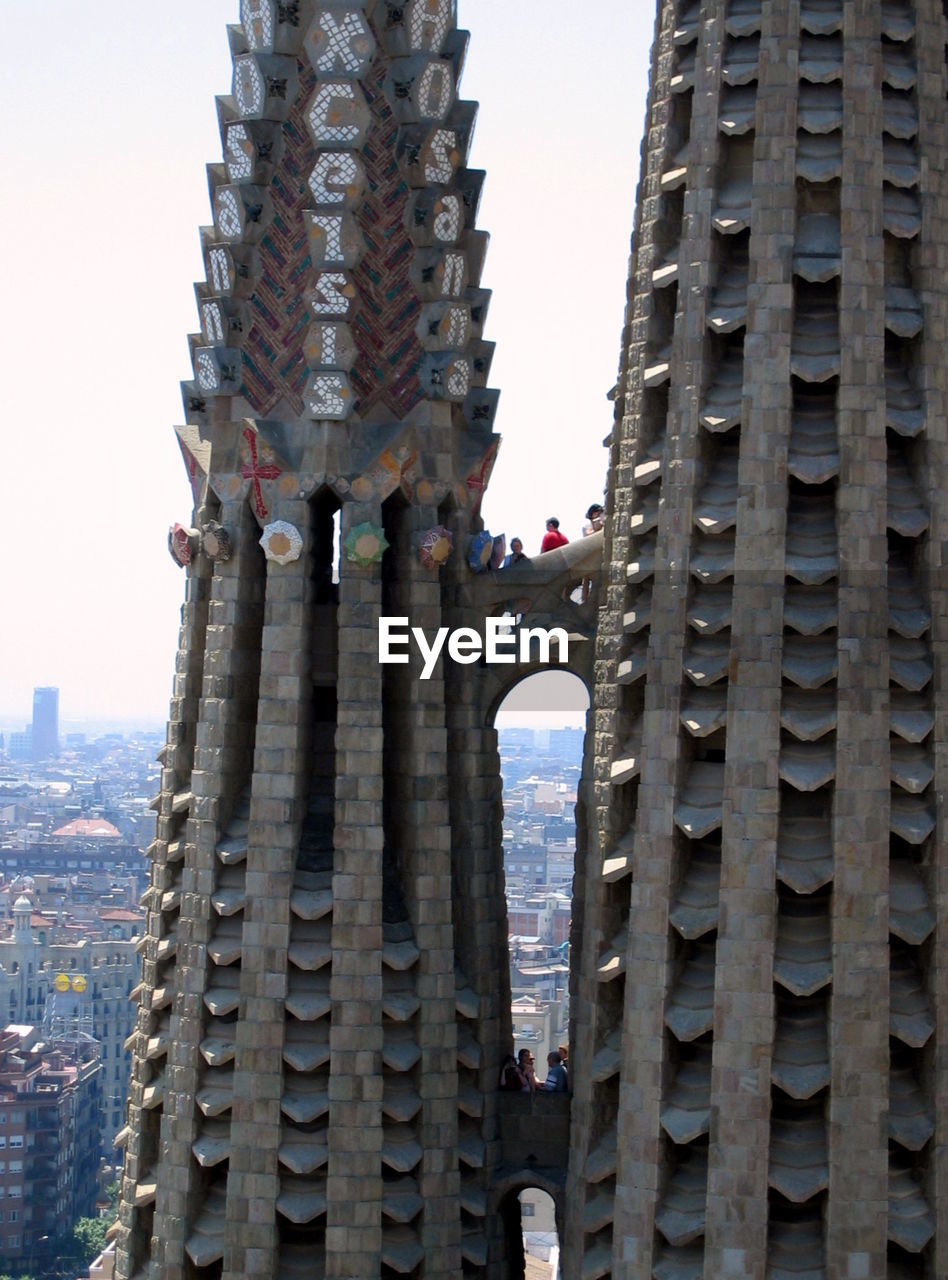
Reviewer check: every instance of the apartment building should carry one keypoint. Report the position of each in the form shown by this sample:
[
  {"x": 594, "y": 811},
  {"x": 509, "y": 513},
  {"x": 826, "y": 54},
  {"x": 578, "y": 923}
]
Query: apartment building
[{"x": 50, "y": 1100}]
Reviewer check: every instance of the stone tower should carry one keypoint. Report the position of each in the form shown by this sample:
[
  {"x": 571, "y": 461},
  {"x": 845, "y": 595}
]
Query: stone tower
[
  {"x": 760, "y": 1038},
  {"x": 758, "y": 977},
  {"x": 325, "y": 997}
]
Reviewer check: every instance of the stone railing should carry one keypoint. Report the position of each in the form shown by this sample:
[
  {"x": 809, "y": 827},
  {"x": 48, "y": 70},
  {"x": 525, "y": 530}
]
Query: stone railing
[{"x": 534, "y": 1130}]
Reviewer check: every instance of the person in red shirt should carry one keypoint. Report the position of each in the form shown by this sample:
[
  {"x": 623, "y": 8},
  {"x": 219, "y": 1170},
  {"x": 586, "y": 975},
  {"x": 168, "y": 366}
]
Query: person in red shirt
[{"x": 553, "y": 538}]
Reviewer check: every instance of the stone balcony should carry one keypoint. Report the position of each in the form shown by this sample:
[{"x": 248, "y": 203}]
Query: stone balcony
[{"x": 534, "y": 1132}]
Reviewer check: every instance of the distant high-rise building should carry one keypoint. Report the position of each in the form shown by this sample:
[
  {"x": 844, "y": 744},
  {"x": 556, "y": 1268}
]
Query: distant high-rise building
[
  {"x": 567, "y": 743},
  {"x": 45, "y": 723},
  {"x": 101, "y": 971}
]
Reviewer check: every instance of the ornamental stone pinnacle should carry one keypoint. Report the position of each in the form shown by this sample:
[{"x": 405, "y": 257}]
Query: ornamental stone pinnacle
[{"x": 757, "y": 989}]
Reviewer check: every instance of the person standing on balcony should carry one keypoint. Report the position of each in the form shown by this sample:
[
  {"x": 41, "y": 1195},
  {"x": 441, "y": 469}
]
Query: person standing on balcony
[
  {"x": 556, "y": 1080},
  {"x": 525, "y": 1063},
  {"x": 553, "y": 538}
]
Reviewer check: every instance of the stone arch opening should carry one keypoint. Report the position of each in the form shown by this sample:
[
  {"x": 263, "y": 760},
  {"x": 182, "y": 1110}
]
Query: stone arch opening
[
  {"x": 540, "y": 1224},
  {"x": 540, "y": 692},
  {"x": 530, "y": 1210},
  {"x": 541, "y": 731}
]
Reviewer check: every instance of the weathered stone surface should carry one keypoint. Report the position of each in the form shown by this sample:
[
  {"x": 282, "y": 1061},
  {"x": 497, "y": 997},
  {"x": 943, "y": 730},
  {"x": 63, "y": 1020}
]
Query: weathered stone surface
[{"x": 760, "y": 888}]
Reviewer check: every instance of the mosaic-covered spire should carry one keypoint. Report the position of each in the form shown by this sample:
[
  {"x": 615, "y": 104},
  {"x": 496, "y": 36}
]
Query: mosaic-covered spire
[{"x": 308, "y": 1046}]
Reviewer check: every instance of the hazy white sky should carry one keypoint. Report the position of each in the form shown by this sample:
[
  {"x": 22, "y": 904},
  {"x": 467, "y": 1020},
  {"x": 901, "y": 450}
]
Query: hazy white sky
[{"x": 109, "y": 120}]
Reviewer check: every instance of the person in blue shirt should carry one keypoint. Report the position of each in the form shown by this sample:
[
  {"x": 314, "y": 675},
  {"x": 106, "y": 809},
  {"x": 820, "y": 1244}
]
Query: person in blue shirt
[
  {"x": 556, "y": 1079},
  {"x": 516, "y": 553}
]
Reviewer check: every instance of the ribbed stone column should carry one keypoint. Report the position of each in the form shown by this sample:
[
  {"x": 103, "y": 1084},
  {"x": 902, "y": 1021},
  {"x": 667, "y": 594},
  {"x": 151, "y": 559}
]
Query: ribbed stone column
[
  {"x": 663, "y": 852},
  {"x": 222, "y": 767},
  {"x": 423, "y": 822},
  {"x": 277, "y": 809},
  {"x": 859, "y": 1091},
  {"x": 743, "y": 1002},
  {"x": 354, "y": 1211},
  {"x": 616, "y": 1134},
  {"x": 479, "y": 917},
  {"x": 932, "y": 91},
  {"x": 141, "y": 1144}
]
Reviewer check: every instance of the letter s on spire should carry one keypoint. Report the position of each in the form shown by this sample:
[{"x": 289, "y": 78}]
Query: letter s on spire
[{"x": 429, "y": 24}]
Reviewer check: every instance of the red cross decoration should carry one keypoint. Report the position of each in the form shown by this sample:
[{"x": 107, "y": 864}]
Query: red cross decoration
[{"x": 254, "y": 470}]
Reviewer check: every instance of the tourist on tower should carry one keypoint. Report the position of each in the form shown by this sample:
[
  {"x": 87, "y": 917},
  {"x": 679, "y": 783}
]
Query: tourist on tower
[
  {"x": 595, "y": 518},
  {"x": 515, "y": 554},
  {"x": 556, "y": 1080},
  {"x": 553, "y": 538},
  {"x": 525, "y": 1063}
]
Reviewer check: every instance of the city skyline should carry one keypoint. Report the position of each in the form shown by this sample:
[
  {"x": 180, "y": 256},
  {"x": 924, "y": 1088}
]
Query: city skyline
[
  {"x": 108, "y": 173},
  {"x": 544, "y": 700},
  {"x": 508, "y": 717}
]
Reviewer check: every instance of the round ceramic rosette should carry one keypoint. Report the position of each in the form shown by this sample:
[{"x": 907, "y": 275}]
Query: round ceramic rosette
[
  {"x": 482, "y": 548},
  {"x": 182, "y": 543},
  {"x": 216, "y": 542},
  {"x": 365, "y": 544},
  {"x": 281, "y": 542},
  {"x": 436, "y": 545}
]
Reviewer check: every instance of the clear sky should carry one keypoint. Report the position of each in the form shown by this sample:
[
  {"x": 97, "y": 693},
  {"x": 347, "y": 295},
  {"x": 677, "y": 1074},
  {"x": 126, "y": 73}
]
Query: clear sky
[{"x": 109, "y": 121}]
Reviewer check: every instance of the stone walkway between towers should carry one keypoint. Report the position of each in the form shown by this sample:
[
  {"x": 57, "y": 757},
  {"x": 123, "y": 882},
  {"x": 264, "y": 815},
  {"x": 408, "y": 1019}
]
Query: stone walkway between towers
[
  {"x": 534, "y": 1134},
  {"x": 539, "y": 591}
]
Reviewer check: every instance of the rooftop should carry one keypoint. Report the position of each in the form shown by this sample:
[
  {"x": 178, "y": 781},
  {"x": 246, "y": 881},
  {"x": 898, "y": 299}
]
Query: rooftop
[{"x": 96, "y": 827}]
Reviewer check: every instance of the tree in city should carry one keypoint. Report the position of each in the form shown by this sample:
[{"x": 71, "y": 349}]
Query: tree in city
[{"x": 89, "y": 1235}]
